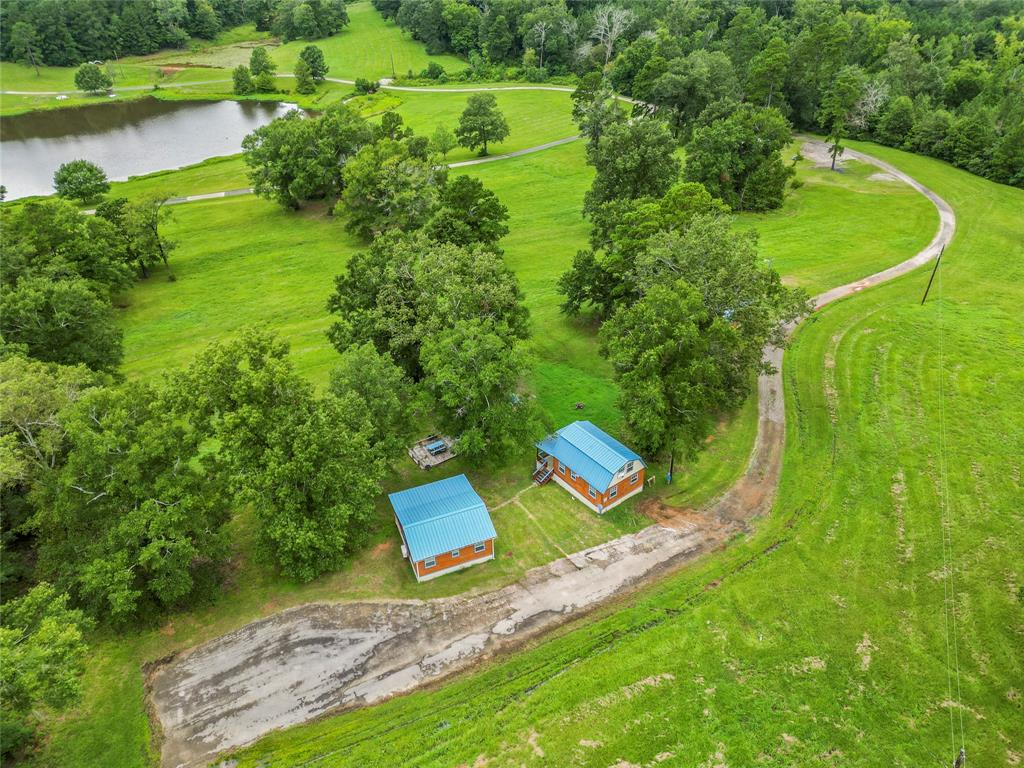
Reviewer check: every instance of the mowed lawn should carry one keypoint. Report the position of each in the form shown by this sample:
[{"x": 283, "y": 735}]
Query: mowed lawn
[
  {"x": 245, "y": 261},
  {"x": 838, "y": 212},
  {"x": 822, "y": 640},
  {"x": 534, "y": 117},
  {"x": 367, "y": 47}
]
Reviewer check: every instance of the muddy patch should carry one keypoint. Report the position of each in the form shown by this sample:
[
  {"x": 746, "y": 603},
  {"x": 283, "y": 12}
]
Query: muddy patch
[{"x": 319, "y": 658}]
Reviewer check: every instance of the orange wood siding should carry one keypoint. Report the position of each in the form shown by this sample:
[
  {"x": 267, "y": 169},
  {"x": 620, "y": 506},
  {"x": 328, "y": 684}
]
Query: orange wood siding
[
  {"x": 582, "y": 487},
  {"x": 466, "y": 555},
  {"x": 625, "y": 487}
]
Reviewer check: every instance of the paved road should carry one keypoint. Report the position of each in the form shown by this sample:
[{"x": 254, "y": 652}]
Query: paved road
[
  {"x": 460, "y": 164},
  {"x": 301, "y": 663},
  {"x": 385, "y": 84}
]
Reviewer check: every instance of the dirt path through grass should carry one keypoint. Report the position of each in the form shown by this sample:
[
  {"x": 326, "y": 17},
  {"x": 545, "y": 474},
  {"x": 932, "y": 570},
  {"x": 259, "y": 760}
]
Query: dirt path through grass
[{"x": 324, "y": 657}]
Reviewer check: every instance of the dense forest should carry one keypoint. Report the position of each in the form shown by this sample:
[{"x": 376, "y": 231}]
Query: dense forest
[
  {"x": 68, "y": 32},
  {"x": 938, "y": 78}
]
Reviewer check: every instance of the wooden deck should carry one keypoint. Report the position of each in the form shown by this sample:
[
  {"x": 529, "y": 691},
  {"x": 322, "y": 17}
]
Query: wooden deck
[{"x": 425, "y": 459}]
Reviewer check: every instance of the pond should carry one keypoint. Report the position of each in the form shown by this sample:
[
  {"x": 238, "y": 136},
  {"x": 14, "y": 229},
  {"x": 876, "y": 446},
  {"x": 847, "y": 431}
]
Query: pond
[{"x": 125, "y": 138}]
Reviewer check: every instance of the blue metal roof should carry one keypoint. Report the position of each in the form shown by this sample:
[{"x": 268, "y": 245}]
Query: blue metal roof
[
  {"x": 589, "y": 452},
  {"x": 442, "y": 516}
]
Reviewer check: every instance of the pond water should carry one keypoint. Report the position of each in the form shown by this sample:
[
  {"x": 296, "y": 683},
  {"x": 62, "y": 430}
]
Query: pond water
[{"x": 125, "y": 139}]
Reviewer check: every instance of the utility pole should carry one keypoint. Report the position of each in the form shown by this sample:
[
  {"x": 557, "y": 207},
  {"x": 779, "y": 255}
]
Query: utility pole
[
  {"x": 393, "y": 73},
  {"x": 934, "y": 270}
]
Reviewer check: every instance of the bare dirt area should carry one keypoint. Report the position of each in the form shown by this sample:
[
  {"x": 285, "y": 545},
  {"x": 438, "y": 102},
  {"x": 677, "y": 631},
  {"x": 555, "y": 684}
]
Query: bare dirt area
[
  {"x": 817, "y": 152},
  {"x": 302, "y": 663}
]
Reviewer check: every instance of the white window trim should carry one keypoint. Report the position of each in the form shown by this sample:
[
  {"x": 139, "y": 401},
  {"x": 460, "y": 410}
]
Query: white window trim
[
  {"x": 634, "y": 478},
  {"x": 613, "y": 492},
  {"x": 561, "y": 469},
  {"x": 430, "y": 562},
  {"x": 480, "y": 547},
  {"x": 592, "y": 492},
  {"x": 573, "y": 475},
  {"x": 456, "y": 553}
]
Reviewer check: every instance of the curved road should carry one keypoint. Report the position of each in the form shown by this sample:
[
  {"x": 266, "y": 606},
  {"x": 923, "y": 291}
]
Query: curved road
[{"x": 301, "y": 663}]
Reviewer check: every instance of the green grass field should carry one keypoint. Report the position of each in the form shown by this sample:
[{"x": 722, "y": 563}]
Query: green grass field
[
  {"x": 367, "y": 47},
  {"x": 244, "y": 260},
  {"x": 819, "y": 641},
  {"x": 862, "y": 243}
]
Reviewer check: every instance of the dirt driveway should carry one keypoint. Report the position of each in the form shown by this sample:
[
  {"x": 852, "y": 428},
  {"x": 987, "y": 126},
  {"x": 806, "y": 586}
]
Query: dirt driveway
[{"x": 304, "y": 662}]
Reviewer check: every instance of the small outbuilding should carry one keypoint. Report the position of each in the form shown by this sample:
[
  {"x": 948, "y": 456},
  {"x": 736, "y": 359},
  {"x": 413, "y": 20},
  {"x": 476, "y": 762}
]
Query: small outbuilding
[
  {"x": 444, "y": 526},
  {"x": 591, "y": 464}
]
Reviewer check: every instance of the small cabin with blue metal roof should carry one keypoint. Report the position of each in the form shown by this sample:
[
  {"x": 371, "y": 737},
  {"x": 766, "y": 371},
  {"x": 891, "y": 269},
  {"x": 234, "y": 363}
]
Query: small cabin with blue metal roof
[
  {"x": 444, "y": 526},
  {"x": 591, "y": 464}
]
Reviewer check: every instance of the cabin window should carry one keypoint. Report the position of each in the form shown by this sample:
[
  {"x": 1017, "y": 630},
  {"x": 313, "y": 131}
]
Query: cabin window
[
  {"x": 456, "y": 553},
  {"x": 613, "y": 492},
  {"x": 430, "y": 562},
  {"x": 480, "y": 547},
  {"x": 573, "y": 475},
  {"x": 561, "y": 469},
  {"x": 593, "y": 493},
  {"x": 634, "y": 478},
  {"x": 629, "y": 467}
]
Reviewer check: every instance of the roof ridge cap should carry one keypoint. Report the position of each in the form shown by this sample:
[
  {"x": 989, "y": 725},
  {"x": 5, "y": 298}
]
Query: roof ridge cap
[{"x": 448, "y": 514}]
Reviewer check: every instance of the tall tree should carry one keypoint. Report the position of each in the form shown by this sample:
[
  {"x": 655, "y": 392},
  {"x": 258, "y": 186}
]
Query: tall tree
[
  {"x": 61, "y": 321},
  {"x": 691, "y": 84},
  {"x": 766, "y": 75},
  {"x": 481, "y": 123},
  {"x": 610, "y": 24},
  {"x": 632, "y": 160},
  {"x": 660, "y": 350},
  {"x": 24, "y": 44},
  {"x": 738, "y": 158},
  {"x": 838, "y": 105},
  {"x": 443, "y": 141},
  {"x": 293, "y": 159},
  {"x": 371, "y": 383},
  {"x": 91, "y": 79},
  {"x": 314, "y": 58},
  {"x": 303, "y": 78},
  {"x": 468, "y": 213},
  {"x": 604, "y": 278},
  {"x": 595, "y": 109},
  {"x": 473, "y": 370},
  {"x": 133, "y": 521},
  {"x": 690, "y": 345},
  {"x": 389, "y": 186},
  {"x": 80, "y": 180},
  {"x": 42, "y": 658},
  {"x": 309, "y": 466},
  {"x": 242, "y": 78}
]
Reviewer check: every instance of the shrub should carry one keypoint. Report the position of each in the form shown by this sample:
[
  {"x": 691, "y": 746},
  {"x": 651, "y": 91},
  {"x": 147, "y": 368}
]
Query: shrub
[
  {"x": 434, "y": 71},
  {"x": 243, "y": 80},
  {"x": 92, "y": 79},
  {"x": 80, "y": 180},
  {"x": 365, "y": 86}
]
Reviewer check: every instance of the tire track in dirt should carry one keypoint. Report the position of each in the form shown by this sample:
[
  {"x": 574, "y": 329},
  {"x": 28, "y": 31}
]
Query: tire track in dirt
[{"x": 320, "y": 658}]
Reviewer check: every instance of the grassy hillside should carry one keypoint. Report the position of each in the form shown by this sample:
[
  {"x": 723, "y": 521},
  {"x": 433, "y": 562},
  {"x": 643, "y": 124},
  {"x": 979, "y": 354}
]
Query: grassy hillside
[
  {"x": 244, "y": 260},
  {"x": 820, "y": 641},
  {"x": 365, "y": 48}
]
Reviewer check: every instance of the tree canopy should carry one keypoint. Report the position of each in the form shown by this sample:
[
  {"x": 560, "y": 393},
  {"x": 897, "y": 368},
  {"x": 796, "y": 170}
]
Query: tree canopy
[
  {"x": 481, "y": 123},
  {"x": 737, "y": 158},
  {"x": 632, "y": 159},
  {"x": 80, "y": 180},
  {"x": 295, "y": 159}
]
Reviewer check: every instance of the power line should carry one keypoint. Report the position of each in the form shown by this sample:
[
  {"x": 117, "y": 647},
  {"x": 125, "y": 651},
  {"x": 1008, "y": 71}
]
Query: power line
[{"x": 948, "y": 552}]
